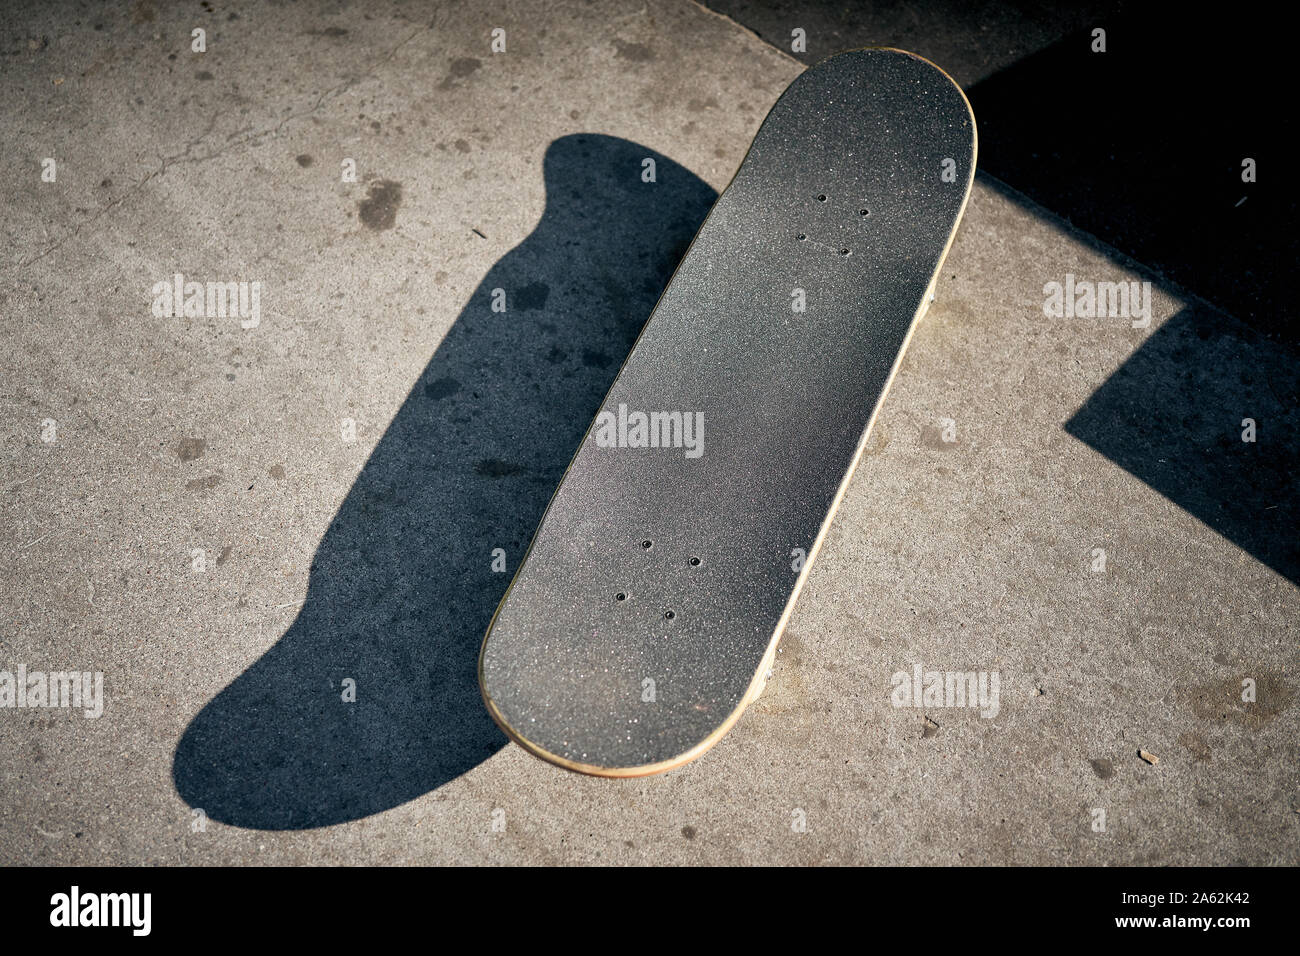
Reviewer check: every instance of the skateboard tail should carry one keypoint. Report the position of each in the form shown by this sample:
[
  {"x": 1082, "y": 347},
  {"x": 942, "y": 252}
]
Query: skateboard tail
[{"x": 512, "y": 721}]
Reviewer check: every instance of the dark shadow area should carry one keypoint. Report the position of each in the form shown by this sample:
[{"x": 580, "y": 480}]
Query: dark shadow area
[
  {"x": 401, "y": 588},
  {"x": 1142, "y": 145},
  {"x": 1172, "y": 416}
]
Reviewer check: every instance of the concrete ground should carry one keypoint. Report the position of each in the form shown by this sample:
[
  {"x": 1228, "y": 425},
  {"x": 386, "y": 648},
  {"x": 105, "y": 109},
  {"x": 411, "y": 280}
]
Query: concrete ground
[{"x": 347, "y": 466}]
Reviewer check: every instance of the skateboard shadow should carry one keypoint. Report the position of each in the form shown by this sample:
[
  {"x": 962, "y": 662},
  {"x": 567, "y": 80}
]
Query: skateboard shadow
[
  {"x": 1172, "y": 415},
  {"x": 402, "y": 586}
]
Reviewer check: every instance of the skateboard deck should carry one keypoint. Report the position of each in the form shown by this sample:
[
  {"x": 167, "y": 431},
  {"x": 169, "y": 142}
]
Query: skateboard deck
[{"x": 646, "y": 613}]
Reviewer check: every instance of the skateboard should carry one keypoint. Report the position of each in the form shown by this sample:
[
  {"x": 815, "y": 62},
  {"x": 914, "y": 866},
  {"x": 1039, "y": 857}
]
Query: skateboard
[{"x": 646, "y": 613}]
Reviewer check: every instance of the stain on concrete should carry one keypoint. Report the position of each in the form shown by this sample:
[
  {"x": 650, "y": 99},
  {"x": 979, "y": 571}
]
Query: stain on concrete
[
  {"x": 688, "y": 832},
  {"x": 462, "y": 145},
  {"x": 203, "y": 484},
  {"x": 636, "y": 52},
  {"x": 460, "y": 68},
  {"x": 204, "y": 75},
  {"x": 1103, "y": 768},
  {"x": 191, "y": 448},
  {"x": 532, "y": 296},
  {"x": 1196, "y": 745},
  {"x": 1221, "y": 700},
  {"x": 877, "y": 442},
  {"x": 277, "y": 472},
  {"x": 592, "y": 359},
  {"x": 225, "y": 555},
  {"x": 303, "y": 160},
  {"x": 932, "y": 437},
  {"x": 441, "y": 388},
  {"x": 378, "y": 211}
]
